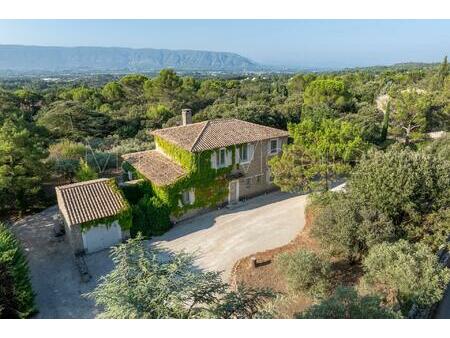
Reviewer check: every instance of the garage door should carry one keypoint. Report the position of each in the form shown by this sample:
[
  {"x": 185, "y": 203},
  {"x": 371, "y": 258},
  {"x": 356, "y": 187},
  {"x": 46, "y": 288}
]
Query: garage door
[{"x": 101, "y": 237}]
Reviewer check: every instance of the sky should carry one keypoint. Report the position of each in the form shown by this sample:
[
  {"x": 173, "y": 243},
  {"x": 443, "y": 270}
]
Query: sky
[{"x": 290, "y": 43}]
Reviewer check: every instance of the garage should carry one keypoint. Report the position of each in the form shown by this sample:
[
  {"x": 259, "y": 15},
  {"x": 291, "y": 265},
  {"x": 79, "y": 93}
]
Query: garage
[
  {"x": 91, "y": 211},
  {"x": 101, "y": 237}
]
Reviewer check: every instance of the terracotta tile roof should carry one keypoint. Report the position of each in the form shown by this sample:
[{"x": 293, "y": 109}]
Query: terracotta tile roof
[
  {"x": 217, "y": 133},
  {"x": 87, "y": 201},
  {"x": 155, "y": 166}
]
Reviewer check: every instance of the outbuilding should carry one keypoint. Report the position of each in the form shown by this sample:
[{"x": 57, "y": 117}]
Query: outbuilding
[{"x": 95, "y": 214}]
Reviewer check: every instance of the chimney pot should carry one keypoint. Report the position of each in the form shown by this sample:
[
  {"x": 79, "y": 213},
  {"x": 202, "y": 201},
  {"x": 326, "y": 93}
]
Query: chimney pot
[{"x": 186, "y": 116}]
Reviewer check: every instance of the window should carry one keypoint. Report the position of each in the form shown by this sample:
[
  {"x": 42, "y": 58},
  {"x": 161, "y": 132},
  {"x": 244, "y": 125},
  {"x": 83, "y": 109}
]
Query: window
[
  {"x": 185, "y": 198},
  {"x": 258, "y": 179},
  {"x": 222, "y": 158},
  {"x": 269, "y": 176},
  {"x": 188, "y": 197},
  {"x": 243, "y": 153},
  {"x": 248, "y": 181},
  {"x": 273, "y": 146}
]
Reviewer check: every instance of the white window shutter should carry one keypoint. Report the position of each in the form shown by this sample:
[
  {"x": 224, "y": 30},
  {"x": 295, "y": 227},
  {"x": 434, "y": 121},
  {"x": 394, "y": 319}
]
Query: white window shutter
[
  {"x": 191, "y": 196},
  {"x": 251, "y": 151},
  {"x": 236, "y": 154},
  {"x": 229, "y": 160},
  {"x": 213, "y": 160}
]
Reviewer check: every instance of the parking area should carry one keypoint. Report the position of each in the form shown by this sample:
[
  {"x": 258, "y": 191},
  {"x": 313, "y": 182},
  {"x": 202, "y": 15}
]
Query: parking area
[{"x": 218, "y": 238}]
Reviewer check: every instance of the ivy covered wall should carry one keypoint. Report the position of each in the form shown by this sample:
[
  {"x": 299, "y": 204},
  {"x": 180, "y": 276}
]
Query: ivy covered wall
[{"x": 210, "y": 187}]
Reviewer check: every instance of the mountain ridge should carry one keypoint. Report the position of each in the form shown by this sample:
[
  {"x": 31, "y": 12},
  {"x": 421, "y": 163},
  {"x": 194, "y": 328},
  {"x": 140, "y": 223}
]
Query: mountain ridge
[{"x": 23, "y": 58}]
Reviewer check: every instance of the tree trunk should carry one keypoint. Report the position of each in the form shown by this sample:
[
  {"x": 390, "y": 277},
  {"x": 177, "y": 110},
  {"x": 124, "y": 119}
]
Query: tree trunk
[{"x": 385, "y": 125}]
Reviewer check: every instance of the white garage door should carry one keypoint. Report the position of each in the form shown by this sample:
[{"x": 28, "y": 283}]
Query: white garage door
[{"x": 101, "y": 237}]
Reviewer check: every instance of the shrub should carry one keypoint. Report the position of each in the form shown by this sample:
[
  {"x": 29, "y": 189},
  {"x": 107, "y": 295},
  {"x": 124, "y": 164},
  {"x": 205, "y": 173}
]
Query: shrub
[
  {"x": 404, "y": 274},
  {"x": 305, "y": 272},
  {"x": 403, "y": 185},
  {"x": 150, "y": 217},
  {"x": 348, "y": 229},
  {"x": 16, "y": 295},
  {"x": 345, "y": 303},
  {"x": 399, "y": 194},
  {"x": 85, "y": 172}
]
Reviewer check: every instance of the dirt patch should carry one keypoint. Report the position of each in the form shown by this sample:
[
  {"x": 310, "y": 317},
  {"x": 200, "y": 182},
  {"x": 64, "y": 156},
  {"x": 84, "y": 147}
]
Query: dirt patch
[{"x": 266, "y": 275}]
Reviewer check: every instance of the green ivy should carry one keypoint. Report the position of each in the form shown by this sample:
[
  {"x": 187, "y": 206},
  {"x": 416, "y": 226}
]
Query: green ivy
[
  {"x": 124, "y": 216},
  {"x": 210, "y": 185}
]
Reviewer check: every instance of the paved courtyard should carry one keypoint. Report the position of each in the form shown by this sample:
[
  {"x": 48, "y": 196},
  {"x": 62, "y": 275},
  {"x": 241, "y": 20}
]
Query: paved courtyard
[{"x": 219, "y": 238}]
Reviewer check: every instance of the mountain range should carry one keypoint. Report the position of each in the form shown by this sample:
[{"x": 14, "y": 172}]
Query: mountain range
[{"x": 18, "y": 58}]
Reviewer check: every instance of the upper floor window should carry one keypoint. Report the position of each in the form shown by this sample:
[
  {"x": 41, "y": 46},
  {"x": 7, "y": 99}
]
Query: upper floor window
[
  {"x": 222, "y": 158},
  {"x": 243, "y": 153},
  {"x": 273, "y": 146}
]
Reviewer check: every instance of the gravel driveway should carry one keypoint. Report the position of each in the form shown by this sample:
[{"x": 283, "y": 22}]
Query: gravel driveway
[
  {"x": 222, "y": 237},
  {"x": 219, "y": 238}
]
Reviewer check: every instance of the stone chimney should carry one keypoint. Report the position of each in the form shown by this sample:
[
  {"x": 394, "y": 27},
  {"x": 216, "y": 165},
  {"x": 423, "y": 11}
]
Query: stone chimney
[{"x": 186, "y": 116}]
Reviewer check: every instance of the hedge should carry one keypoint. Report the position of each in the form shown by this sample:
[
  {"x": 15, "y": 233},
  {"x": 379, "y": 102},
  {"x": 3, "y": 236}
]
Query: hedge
[{"x": 16, "y": 294}]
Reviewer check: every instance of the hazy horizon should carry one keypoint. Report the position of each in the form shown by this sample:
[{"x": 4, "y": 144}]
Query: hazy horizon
[{"x": 288, "y": 43}]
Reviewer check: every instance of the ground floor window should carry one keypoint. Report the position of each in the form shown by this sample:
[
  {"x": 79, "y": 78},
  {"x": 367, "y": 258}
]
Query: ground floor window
[{"x": 188, "y": 197}]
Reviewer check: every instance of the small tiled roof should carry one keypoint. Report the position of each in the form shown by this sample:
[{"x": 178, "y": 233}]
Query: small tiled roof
[
  {"x": 155, "y": 166},
  {"x": 217, "y": 133},
  {"x": 88, "y": 201}
]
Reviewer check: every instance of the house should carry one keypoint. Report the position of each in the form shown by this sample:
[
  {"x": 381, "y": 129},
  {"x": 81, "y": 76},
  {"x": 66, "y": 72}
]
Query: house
[
  {"x": 206, "y": 164},
  {"x": 95, "y": 214}
]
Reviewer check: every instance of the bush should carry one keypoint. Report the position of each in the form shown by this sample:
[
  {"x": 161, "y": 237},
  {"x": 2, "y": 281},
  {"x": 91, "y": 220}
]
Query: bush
[
  {"x": 348, "y": 229},
  {"x": 16, "y": 295},
  {"x": 345, "y": 303},
  {"x": 150, "y": 217},
  {"x": 399, "y": 194},
  {"x": 85, "y": 172},
  {"x": 404, "y": 274},
  {"x": 403, "y": 185},
  {"x": 305, "y": 272}
]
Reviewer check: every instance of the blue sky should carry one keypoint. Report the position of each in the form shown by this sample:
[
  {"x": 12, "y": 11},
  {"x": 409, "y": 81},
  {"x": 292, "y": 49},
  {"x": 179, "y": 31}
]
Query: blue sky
[{"x": 301, "y": 43}]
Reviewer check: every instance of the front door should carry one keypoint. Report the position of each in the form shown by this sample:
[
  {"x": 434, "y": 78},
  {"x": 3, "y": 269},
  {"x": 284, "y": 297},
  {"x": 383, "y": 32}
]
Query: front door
[{"x": 233, "y": 192}]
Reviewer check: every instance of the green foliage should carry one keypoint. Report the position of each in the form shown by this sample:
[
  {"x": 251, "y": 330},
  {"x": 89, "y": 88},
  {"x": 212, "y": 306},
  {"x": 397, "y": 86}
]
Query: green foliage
[
  {"x": 404, "y": 274},
  {"x": 73, "y": 121},
  {"x": 305, "y": 272},
  {"x": 345, "y": 303},
  {"x": 16, "y": 295},
  {"x": 113, "y": 92},
  {"x": 331, "y": 93},
  {"x": 390, "y": 195},
  {"x": 402, "y": 185},
  {"x": 347, "y": 228},
  {"x": 150, "y": 217},
  {"x": 21, "y": 165},
  {"x": 320, "y": 151},
  {"x": 85, "y": 172},
  {"x": 148, "y": 283},
  {"x": 410, "y": 113},
  {"x": 210, "y": 186}
]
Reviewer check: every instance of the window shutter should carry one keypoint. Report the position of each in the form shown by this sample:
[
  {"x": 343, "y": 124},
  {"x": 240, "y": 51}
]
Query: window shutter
[
  {"x": 278, "y": 145},
  {"x": 191, "y": 196},
  {"x": 213, "y": 160},
  {"x": 229, "y": 160},
  {"x": 251, "y": 151},
  {"x": 236, "y": 154}
]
